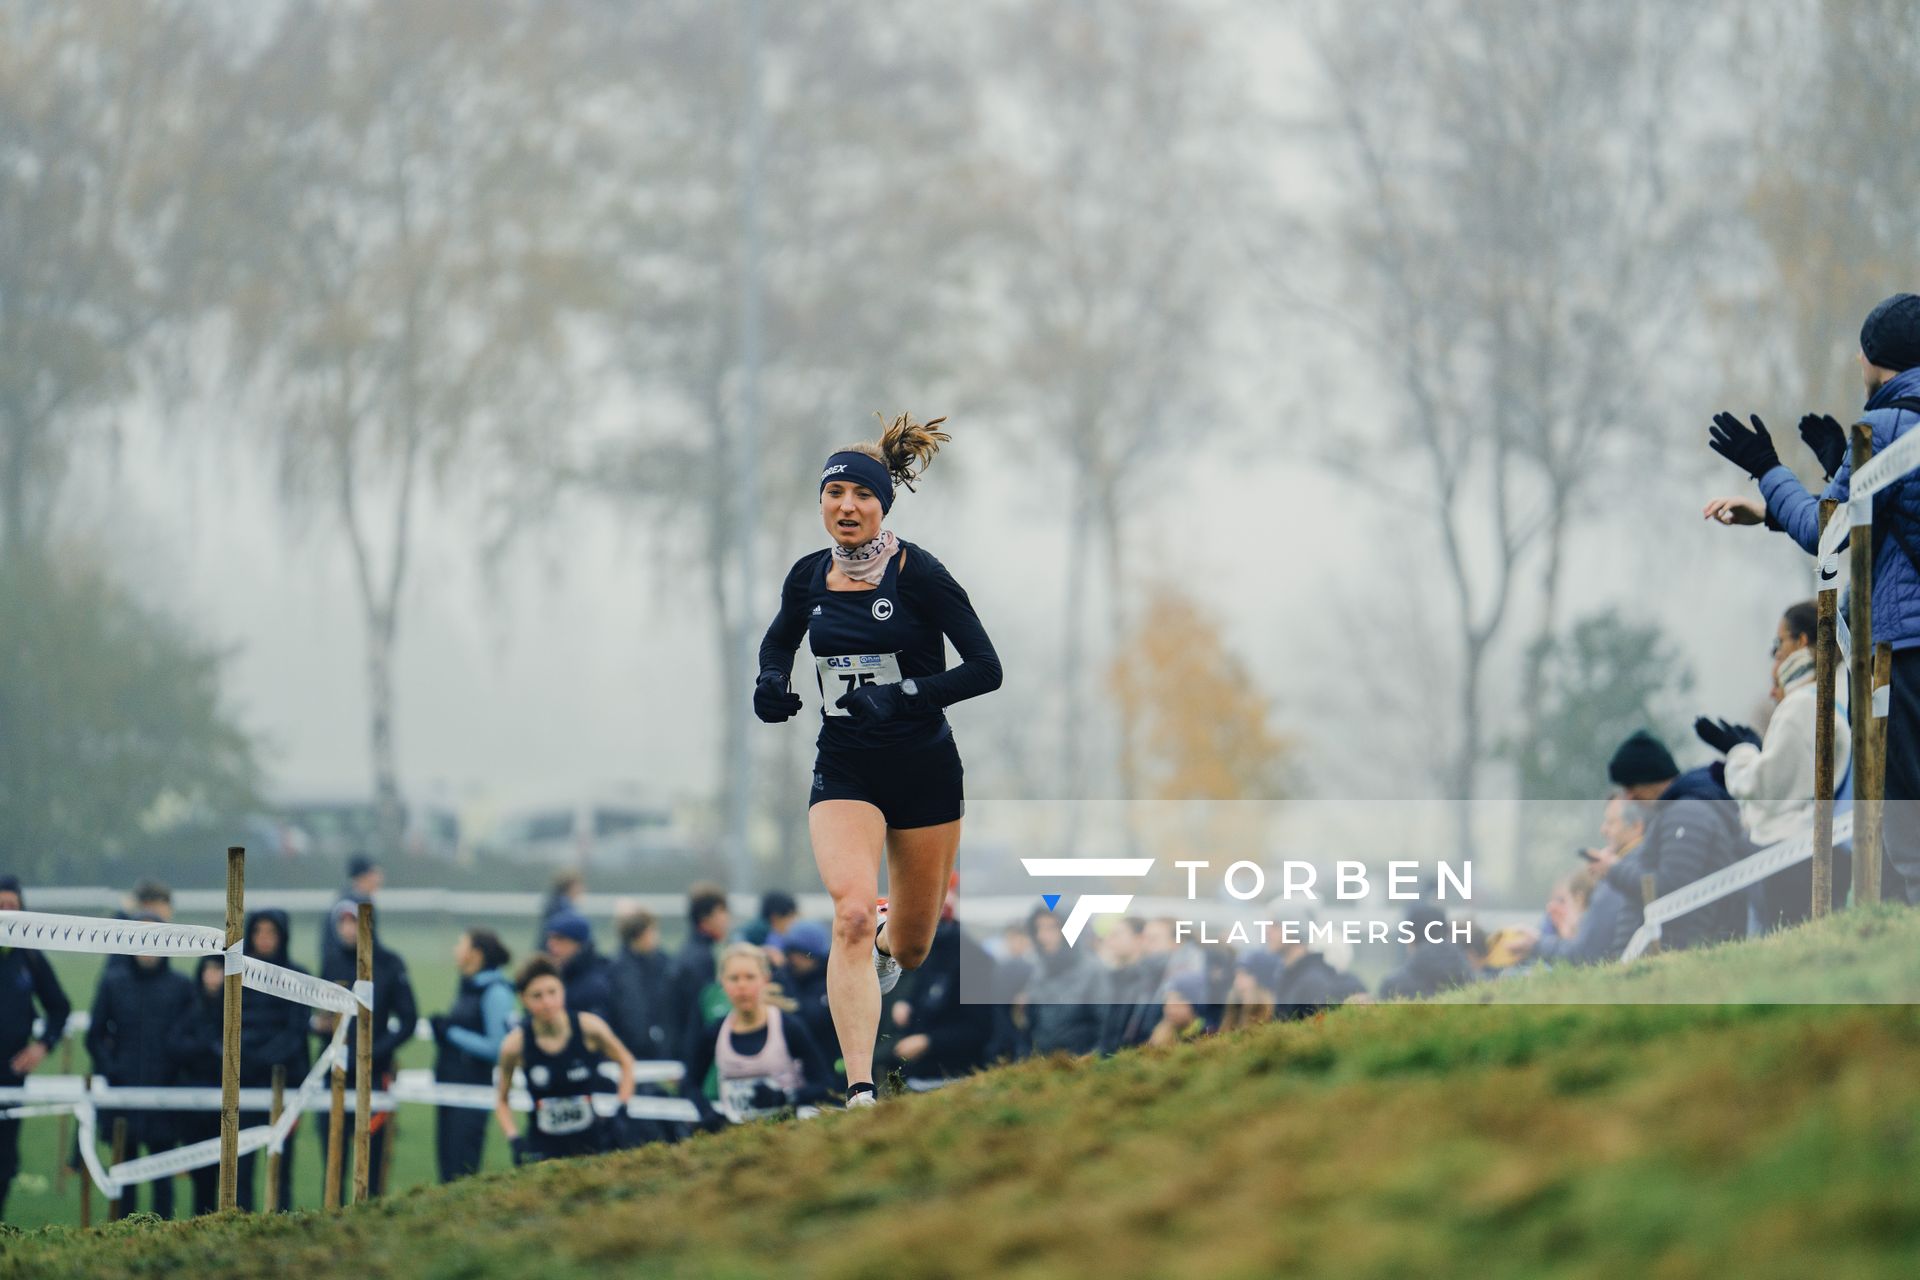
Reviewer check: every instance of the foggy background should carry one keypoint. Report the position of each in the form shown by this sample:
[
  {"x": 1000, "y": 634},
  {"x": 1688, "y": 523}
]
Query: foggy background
[{"x": 430, "y": 399}]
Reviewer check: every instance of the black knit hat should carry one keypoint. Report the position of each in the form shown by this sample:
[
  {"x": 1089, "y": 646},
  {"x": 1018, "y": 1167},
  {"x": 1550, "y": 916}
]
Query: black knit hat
[
  {"x": 12, "y": 884},
  {"x": 1890, "y": 338},
  {"x": 1640, "y": 759}
]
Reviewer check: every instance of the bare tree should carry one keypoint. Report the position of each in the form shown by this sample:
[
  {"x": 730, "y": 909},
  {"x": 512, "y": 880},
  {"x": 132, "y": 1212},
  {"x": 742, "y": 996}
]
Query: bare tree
[
  {"x": 796, "y": 170},
  {"x": 1122, "y": 142},
  {"x": 408, "y": 274},
  {"x": 102, "y": 169},
  {"x": 1520, "y": 239}
]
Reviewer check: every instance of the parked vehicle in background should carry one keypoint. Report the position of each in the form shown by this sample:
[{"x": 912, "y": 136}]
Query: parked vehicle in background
[
  {"x": 332, "y": 828},
  {"x": 622, "y": 836}
]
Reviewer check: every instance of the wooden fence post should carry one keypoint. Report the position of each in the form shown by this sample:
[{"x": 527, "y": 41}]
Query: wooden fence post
[
  {"x": 336, "y": 1135},
  {"x": 1871, "y": 808},
  {"x": 117, "y": 1207},
  {"x": 363, "y": 1091},
  {"x": 230, "y": 1036},
  {"x": 273, "y": 1157},
  {"x": 1826, "y": 655},
  {"x": 1866, "y": 812}
]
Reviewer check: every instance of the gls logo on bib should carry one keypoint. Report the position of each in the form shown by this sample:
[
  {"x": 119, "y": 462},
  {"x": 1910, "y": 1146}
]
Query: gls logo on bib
[{"x": 882, "y": 609}]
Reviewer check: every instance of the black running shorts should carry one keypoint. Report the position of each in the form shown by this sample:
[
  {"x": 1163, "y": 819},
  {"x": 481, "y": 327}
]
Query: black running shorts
[{"x": 912, "y": 787}]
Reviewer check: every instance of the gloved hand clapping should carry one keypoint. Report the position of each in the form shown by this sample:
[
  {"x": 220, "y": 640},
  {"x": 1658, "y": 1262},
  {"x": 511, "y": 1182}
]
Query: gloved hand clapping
[
  {"x": 1722, "y": 735},
  {"x": 1749, "y": 449},
  {"x": 773, "y": 702},
  {"x": 1824, "y": 435}
]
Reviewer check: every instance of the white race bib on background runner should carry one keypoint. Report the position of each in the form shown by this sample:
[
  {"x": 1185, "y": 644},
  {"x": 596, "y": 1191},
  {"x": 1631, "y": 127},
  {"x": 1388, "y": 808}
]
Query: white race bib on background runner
[
  {"x": 736, "y": 1098},
  {"x": 841, "y": 674},
  {"x": 563, "y": 1115}
]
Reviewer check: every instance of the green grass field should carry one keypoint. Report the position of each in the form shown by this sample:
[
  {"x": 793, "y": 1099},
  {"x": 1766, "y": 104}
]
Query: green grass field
[{"x": 1476, "y": 1138}]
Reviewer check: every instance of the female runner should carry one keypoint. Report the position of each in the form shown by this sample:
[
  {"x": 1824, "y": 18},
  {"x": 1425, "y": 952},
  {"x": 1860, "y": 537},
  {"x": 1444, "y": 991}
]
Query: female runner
[
  {"x": 768, "y": 1061},
  {"x": 886, "y": 781},
  {"x": 562, "y": 1052}
]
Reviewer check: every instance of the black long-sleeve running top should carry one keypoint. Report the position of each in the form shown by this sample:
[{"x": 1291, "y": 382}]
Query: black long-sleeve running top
[{"x": 903, "y": 620}]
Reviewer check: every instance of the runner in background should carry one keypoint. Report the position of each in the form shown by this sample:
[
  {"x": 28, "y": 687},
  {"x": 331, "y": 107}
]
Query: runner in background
[
  {"x": 561, "y": 1052},
  {"x": 767, "y": 1061}
]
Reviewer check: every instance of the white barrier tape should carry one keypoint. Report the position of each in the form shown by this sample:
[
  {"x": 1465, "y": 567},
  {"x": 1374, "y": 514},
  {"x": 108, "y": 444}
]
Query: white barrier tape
[
  {"x": 1859, "y": 511},
  {"x": 40, "y": 931},
  {"x": 301, "y": 988},
  {"x": 83, "y": 1113},
  {"x": 40, "y": 1109},
  {"x": 307, "y": 1095},
  {"x": 363, "y": 992},
  {"x": 1887, "y": 466},
  {"x": 164, "y": 1164},
  {"x": 1842, "y": 642},
  {"x": 1826, "y": 559},
  {"x": 1748, "y": 871},
  {"x": 234, "y": 959}
]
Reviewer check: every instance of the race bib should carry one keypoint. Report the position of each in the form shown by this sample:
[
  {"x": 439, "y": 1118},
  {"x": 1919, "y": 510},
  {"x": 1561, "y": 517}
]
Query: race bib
[
  {"x": 563, "y": 1115},
  {"x": 736, "y": 1097},
  {"x": 841, "y": 674}
]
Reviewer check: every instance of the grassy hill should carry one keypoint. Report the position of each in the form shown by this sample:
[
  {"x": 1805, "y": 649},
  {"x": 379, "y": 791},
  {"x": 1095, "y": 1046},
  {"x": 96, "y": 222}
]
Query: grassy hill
[{"x": 1481, "y": 1136}]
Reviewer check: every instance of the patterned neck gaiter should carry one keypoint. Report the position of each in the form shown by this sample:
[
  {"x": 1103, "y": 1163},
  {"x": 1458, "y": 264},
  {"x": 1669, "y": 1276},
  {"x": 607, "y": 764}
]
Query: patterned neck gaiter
[{"x": 868, "y": 561}]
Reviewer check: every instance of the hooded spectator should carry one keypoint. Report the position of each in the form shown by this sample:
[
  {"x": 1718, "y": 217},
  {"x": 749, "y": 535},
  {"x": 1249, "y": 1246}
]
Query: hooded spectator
[
  {"x": 25, "y": 979},
  {"x": 1434, "y": 963},
  {"x": 1693, "y": 830},
  {"x": 466, "y": 1045},
  {"x": 129, "y": 1040},
  {"x": 273, "y": 1032},
  {"x": 583, "y": 970},
  {"x": 395, "y": 1016}
]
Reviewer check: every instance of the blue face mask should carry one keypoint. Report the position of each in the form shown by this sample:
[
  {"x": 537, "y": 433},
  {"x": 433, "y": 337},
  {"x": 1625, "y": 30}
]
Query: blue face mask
[{"x": 858, "y": 468}]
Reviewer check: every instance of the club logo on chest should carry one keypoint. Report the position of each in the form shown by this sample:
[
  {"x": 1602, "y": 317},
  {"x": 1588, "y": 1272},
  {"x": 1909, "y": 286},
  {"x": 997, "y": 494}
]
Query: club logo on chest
[{"x": 882, "y": 609}]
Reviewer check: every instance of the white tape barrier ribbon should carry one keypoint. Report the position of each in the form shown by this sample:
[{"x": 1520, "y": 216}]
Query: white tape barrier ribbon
[
  {"x": 41, "y": 931},
  {"x": 83, "y": 1113},
  {"x": 1882, "y": 701},
  {"x": 1826, "y": 559},
  {"x": 308, "y": 1094},
  {"x": 1748, "y": 871},
  {"x": 301, "y": 988},
  {"x": 40, "y": 1109},
  {"x": 1842, "y": 643},
  {"x": 164, "y": 1164},
  {"x": 234, "y": 959},
  {"x": 1885, "y": 467},
  {"x": 363, "y": 992}
]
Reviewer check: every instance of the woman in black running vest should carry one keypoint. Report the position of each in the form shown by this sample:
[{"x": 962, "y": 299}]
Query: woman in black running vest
[
  {"x": 562, "y": 1052},
  {"x": 887, "y": 779}
]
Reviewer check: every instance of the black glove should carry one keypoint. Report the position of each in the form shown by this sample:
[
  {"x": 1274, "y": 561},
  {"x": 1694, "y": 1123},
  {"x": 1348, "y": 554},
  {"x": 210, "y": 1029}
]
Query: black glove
[
  {"x": 1723, "y": 736},
  {"x": 767, "y": 1098},
  {"x": 772, "y": 700},
  {"x": 877, "y": 702},
  {"x": 518, "y": 1147},
  {"x": 1827, "y": 439},
  {"x": 1751, "y": 451},
  {"x": 439, "y": 1024}
]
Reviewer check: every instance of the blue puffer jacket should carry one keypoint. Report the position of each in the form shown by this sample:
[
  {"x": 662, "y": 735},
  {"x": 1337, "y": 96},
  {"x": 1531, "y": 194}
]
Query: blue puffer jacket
[{"x": 1896, "y": 512}]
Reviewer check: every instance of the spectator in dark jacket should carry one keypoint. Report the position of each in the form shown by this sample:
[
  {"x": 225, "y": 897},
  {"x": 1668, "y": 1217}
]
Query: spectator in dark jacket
[
  {"x": 1693, "y": 830},
  {"x": 130, "y": 1040},
  {"x": 1139, "y": 988},
  {"x": 583, "y": 970},
  {"x": 1434, "y": 963},
  {"x": 569, "y": 887},
  {"x": 805, "y": 945},
  {"x": 1307, "y": 982},
  {"x": 273, "y": 1032},
  {"x": 196, "y": 1042},
  {"x": 1064, "y": 999},
  {"x": 395, "y": 1016},
  {"x": 25, "y": 978},
  {"x": 364, "y": 878},
  {"x": 697, "y": 995},
  {"x": 1890, "y": 367},
  {"x": 942, "y": 1036},
  {"x": 150, "y": 900},
  {"x": 778, "y": 911},
  {"x": 466, "y": 1045}
]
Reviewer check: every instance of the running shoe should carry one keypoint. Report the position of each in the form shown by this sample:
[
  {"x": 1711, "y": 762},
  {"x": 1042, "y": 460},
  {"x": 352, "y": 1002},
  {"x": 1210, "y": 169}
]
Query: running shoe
[
  {"x": 864, "y": 1098},
  {"x": 885, "y": 967}
]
